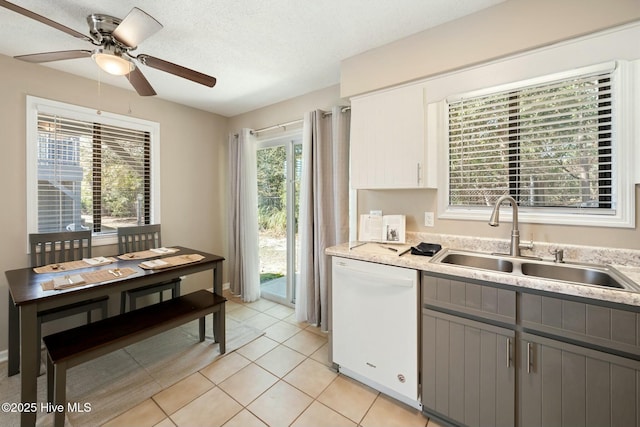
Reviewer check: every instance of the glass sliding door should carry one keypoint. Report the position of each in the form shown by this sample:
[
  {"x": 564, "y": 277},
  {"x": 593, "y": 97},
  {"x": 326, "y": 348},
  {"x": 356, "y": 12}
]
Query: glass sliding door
[{"x": 279, "y": 162}]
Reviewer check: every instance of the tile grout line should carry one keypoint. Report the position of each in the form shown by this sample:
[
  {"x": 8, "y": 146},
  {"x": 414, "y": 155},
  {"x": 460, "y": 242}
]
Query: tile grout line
[
  {"x": 245, "y": 407},
  {"x": 279, "y": 377},
  {"x": 282, "y": 378}
]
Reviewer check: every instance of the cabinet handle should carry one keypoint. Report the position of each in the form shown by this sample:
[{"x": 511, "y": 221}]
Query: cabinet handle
[
  {"x": 418, "y": 173},
  {"x": 529, "y": 358},
  {"x": 508, "y": 352}
]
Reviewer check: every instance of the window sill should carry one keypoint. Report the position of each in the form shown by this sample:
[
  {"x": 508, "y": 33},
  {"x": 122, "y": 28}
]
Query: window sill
[{"x": 106, "y": 240}]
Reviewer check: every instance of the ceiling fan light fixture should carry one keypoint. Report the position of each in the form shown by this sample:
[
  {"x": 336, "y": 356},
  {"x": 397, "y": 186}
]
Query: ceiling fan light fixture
[
  {"x": 112, "y": 62},
  {"x": 114, "y": 39}
]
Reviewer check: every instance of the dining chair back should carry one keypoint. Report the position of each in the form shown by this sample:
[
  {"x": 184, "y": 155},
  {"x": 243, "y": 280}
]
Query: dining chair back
[
  {"x": 54, "y": 248},
  {"x": 142, "y": 238},
  {"x": 139, "y": 238}
]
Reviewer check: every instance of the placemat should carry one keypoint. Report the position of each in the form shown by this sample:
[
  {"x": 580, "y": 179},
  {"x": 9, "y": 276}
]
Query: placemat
[
  {"x": 150, "y": 253},
  {"x": 172, "y": 261},
  {"x": 92, "y": 277},
  {"x": 74, "y": 265}
]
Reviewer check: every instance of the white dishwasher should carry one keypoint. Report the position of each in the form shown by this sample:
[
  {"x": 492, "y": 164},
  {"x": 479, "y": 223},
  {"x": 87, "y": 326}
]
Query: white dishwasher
[{"x": 375, "y": 326}]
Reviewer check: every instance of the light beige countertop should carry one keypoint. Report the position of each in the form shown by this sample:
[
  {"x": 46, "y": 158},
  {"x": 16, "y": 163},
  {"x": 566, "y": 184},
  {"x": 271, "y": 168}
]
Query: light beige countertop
[{"x": 624, "y": 260}]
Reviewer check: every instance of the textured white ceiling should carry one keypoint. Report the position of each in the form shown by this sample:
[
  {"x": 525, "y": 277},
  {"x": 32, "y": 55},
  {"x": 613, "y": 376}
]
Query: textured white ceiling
[{"x": 261, "y": 51}]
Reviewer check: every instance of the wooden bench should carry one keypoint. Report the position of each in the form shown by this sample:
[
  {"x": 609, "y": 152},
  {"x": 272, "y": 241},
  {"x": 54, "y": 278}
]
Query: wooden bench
[{"x": 78, "y": 345}]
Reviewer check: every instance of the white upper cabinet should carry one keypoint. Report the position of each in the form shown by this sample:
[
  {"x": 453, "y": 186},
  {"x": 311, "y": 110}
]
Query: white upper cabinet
[{"x": 389, "y": 140}]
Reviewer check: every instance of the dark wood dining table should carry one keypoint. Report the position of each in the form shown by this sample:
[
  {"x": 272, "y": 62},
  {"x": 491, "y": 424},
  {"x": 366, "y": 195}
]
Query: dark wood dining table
[{"x": 27, "y": 298}]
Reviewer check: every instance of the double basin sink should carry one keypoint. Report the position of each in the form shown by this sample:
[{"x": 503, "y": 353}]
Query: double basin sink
[{"x": 584, "y": 274}]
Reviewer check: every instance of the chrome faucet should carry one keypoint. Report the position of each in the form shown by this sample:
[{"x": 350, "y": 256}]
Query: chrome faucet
[
  {"x": 494, "y": 221},
  {"x": 558, "y": 255}
]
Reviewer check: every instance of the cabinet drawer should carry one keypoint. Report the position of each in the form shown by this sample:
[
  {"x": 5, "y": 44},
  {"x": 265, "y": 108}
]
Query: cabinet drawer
[
  {"x": 607, "y": 327},
  {"x": 481, "y": 301}
]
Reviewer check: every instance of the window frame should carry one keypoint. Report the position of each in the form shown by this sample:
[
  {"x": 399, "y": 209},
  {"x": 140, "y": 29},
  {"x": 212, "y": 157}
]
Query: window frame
[
  {"x": 623, "y": 89},
  {"x": 34, "y": 105}
]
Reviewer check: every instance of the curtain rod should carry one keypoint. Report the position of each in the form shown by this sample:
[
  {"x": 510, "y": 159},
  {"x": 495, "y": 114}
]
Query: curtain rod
[
  {"x": 283, "y": 125},
  {"x": 293, "y": 122}
]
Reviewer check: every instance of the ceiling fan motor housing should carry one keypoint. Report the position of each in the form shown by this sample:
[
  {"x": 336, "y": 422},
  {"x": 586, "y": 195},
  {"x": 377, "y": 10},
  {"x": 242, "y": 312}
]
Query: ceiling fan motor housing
[{"x": 101, "y": 27}]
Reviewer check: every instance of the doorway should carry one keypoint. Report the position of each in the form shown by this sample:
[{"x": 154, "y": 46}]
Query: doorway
[{"x": 279, "y": 164}]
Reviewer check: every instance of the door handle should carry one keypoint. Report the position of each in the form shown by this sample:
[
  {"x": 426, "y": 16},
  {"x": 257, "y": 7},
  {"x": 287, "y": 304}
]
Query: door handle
[
  {"x": 529, "y": 357},
  {"x": 508, "y": 352}
]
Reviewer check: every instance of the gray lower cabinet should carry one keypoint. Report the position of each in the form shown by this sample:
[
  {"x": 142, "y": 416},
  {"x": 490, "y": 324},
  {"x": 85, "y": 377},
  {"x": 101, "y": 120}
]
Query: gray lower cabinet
[
  {"x": 467, "y": 370},
  {"x": 492, "y": 356},
  {"x": 568, "y": 385}
]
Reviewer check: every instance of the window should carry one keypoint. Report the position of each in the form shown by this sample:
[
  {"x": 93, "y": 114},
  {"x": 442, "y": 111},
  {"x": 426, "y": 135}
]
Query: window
[
  {"x": 88, "y": 170},
  {"x": 553, "y": 144}
]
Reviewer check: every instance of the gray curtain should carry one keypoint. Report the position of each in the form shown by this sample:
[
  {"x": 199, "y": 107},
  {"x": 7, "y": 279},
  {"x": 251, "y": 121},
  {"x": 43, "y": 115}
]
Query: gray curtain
[
  {"x": 324, "y": 208},
  {"x": 244, "y": 266}
]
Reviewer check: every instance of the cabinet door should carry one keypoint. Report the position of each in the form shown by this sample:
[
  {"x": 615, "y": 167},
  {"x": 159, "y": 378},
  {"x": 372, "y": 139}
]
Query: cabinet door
[
  {"x": 467, "y": 370},
  {"x": 567, "y": 385},
  {"x": 388, "y": 139}
]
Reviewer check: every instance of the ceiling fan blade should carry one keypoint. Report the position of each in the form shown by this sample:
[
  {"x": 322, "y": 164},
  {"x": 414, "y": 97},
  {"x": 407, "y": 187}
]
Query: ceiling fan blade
[
  {"x": 178, "y": 70},
  {"x": 136, "y": 27},
  {"x": 44, "y": 20},
  {"x": 55, "y": 56},
  {"x": 140, "y": 83}
]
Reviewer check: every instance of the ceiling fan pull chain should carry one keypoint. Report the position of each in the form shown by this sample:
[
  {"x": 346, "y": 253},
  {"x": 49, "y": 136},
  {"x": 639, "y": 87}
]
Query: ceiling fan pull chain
[
  {"x": 129, "y": 78},
  {"x": 99, "y": 111}
]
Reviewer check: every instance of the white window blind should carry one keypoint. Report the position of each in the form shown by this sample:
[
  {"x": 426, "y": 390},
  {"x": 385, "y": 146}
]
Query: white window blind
[
  {"x": 547, "y": 145},
  {"x": 91, "y": 175}
]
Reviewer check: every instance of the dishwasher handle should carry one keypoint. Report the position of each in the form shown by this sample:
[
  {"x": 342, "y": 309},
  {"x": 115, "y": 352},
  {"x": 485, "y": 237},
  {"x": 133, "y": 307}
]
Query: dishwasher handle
[{"x": 375, "y": 279}]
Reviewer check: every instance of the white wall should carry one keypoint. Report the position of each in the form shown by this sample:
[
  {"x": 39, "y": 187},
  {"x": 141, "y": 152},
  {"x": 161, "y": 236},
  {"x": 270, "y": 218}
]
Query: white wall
[
  {"x": 290, "y": 110},
  {"x": 504, "y": 29}
]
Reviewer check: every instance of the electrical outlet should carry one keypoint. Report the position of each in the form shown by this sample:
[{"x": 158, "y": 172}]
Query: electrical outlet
[{"x": 428, "y": 219}]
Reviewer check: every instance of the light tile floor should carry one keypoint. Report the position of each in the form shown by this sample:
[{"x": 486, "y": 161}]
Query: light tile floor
[{"x": 282, "y": 378}]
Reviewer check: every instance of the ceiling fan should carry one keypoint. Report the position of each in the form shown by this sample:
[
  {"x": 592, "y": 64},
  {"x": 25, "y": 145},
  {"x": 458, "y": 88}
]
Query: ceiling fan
[{"x": 115, "y": 39}]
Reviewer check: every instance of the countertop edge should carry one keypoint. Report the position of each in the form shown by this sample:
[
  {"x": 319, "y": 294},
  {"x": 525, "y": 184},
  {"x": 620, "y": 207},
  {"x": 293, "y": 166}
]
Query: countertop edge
[{"x": 422, "y": 263}]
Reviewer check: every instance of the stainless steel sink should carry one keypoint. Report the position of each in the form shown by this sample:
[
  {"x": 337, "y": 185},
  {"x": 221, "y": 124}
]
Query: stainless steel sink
[
  {"x": 584, "y": 274},
  {"x": 599, "y": 276},
  {"x": 479, "y": 261}
]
